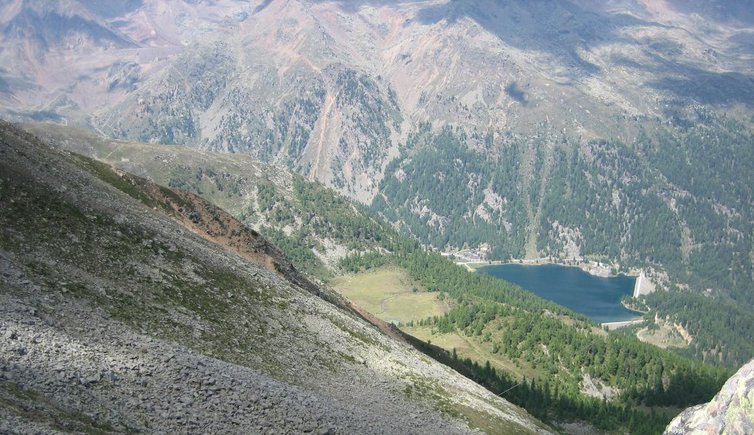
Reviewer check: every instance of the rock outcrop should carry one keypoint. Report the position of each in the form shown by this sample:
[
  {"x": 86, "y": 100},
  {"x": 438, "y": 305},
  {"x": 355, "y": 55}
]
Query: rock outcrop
[{"x": 730, "y": 412}]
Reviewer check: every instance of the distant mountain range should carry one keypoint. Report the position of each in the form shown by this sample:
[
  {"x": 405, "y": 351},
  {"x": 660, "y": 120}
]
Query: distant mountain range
[{"x": 333, "y": 88}]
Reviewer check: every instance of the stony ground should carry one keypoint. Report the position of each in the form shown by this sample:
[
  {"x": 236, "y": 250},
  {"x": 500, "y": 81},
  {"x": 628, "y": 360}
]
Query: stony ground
[
  {"x": 117, "y": 315},
  {"x": 100, "y": 376}
]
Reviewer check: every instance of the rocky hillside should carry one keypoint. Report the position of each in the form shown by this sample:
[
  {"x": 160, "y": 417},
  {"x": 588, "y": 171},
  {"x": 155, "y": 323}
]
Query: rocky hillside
[
  {"x": 132, "y": 307},
  {"x": 276, "y": 203},
  {"x": 730, "y": 412}
]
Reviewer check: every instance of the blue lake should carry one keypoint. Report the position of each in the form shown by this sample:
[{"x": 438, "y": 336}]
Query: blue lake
[{"x": 593, "y": 296}]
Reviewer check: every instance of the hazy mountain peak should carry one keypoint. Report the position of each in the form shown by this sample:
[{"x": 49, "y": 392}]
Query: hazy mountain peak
[
  {"x": 578, "y": 67},
  {"x": 58, "y": 24}
]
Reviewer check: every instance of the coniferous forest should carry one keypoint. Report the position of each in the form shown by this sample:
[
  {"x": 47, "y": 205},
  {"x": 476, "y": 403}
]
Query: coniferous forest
[
  {"x": 676, "y": 201},
  {"x": 525, "y": 328}
]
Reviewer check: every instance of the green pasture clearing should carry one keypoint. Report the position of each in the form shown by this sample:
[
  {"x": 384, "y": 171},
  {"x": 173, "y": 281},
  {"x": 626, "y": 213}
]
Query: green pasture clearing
[
  {"x": 391, "y": 295},
  {"x": 471, "y": 347}
]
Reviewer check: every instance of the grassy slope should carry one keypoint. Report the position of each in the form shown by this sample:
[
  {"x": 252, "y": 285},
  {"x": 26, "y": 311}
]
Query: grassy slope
[
  {"x": 471, "y": 347},
  {"x": 388, "y": 293},
  {"x": 664, "y": 335}
]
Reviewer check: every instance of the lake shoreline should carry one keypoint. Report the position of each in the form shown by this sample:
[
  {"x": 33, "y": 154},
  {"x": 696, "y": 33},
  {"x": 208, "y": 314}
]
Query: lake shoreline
[
  {"x": 623, "y": 323},
  {"x": 642, "y": 286},
  {"x": 594, "y": 268},
  {"x": 571, "y": 286}
]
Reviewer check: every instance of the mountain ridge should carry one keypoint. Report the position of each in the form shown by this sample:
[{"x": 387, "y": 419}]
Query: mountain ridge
[
  {"x": 576, "y": 130},
  {"x": 333, "y": 96}
]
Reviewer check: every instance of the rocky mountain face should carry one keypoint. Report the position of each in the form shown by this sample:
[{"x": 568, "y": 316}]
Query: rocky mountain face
[
  {"x": 730, "y": 412},
  {"x": 127, "y": 306},
  {"x": 153, "y": 290},
  {"x": 332, "y": 88}
]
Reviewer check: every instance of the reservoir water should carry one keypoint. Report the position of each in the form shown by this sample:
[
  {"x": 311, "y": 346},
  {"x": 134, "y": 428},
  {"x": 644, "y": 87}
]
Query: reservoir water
[{"x": 593, "y": 296}]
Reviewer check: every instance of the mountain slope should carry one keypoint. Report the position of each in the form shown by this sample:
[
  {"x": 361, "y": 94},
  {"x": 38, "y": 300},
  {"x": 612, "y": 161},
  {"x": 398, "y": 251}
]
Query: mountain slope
[
  {"x": 490, "y": 313},
  {"x": 612, "y": 131},
  {"x": 596, "y": 96},
  {"x": 675, "y": 203},
  {"x": 315, "y": 226},
  {"x": 128, "y": 306}
]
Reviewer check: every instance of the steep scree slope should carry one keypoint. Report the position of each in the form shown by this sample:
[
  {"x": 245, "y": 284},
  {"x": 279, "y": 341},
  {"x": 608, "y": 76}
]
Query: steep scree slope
[{"x": 120, "y": 312}]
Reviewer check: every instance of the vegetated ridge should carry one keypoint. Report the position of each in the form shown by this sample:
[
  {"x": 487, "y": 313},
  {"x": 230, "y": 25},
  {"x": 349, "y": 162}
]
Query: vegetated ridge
[{"x": 314, "y": 225}]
